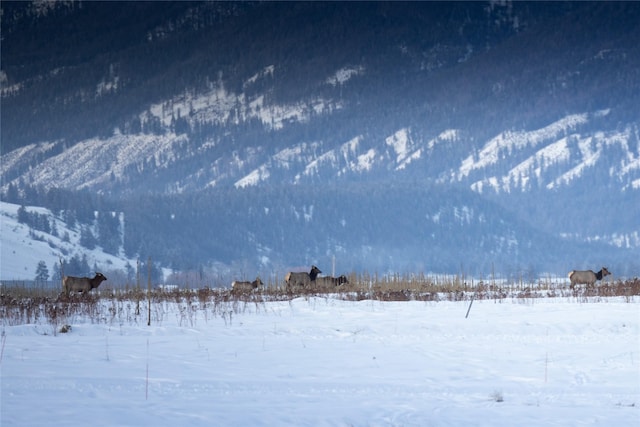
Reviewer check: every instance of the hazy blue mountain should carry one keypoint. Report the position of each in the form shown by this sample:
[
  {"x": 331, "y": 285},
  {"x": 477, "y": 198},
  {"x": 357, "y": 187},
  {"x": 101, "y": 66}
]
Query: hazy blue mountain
[{"x": 392, "y": 136}]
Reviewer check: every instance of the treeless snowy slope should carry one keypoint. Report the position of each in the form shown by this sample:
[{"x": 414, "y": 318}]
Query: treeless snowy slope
[
  {"x": 20, "y": 252},
  {"x": 323, "y": 362}
]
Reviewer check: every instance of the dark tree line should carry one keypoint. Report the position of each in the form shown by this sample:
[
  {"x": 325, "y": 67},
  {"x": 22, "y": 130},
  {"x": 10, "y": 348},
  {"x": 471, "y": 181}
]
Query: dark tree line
[
  {"x": 370, "y": 226},
  {"x": 78, "y": 210}
]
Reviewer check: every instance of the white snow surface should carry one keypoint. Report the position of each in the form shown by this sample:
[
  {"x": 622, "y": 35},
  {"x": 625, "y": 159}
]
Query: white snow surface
[{"x": 326, "y": 362}]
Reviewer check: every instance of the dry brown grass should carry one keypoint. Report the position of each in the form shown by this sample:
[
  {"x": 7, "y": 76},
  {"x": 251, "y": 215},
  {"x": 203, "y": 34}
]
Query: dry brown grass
[{"x": 24, "y": 305}]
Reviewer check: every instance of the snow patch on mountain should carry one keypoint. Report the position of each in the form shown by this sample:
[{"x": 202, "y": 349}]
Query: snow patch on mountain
[
  {"x": 95, "y": 161},
  {"x": 365, "y": 161},
  {"x": 312, "y": 160},
  {"x": 620, "y": 240},
  {"x": 447, "y": 135},
  {"x": 402, "y": 145},
  {"x": 110, "y": 83},
  {"x": 267, "y": 71},
  {"x": 503, "y": 145},
  {"x": 254, "y": 178},
  {"x": 287, "y": 156},
  {"x": 21, "y": 158},
  {"x": 553, "y": 156},
  {"x": 329, "y": 158},
  {"x": 343, "y": 74},
  {"x": 407, "y": 149},
  {"x": 522, "y": 175},
  {"x": 589, "y": 159},
  {"x": 222, "y": 106},
  {"x": 7, "y": 89}
]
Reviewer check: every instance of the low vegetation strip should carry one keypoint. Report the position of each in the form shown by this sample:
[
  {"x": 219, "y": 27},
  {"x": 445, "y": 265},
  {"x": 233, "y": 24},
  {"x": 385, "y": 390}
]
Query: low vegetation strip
[{"x": 26, "y": 305}]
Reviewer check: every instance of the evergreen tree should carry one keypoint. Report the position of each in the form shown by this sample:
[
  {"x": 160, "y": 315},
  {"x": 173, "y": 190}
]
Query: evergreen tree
[
  {"x": 87, "y": 239},
  {"x": 42, "y": 273},
  {"x": 109, "y": 232},
  {"x": 12, "y": 195},
  {"x": 23, "y": 215},
  {"x": 76, "y": 266},
  {"x": 57, "y": 274},
  {"x": 131, "y": 272}
]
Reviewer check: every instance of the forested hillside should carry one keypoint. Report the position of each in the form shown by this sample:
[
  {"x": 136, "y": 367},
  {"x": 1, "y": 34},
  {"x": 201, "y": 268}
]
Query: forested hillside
[{"x": 391, "y": 136}]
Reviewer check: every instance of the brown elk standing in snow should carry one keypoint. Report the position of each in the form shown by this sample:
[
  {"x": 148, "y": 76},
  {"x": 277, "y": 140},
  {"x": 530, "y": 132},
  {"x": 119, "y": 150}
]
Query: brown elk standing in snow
[
  {"x": 587, "y": 277},
  {"x": 81, "y": 284}
]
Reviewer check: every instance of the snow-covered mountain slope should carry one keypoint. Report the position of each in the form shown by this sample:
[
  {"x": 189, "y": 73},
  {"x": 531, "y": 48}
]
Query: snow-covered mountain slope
[
  {"x": 216, "y": 104},
  {"x": 92, "y": 163},
  {"x": 554, "y": 156},
  {"x": 21, "y": 248},
  {"x": 219, "y": 116}
]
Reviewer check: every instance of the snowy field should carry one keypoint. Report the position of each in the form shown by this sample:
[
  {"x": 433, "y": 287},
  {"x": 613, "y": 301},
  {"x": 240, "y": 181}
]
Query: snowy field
[{"x": 326, "y": 362}]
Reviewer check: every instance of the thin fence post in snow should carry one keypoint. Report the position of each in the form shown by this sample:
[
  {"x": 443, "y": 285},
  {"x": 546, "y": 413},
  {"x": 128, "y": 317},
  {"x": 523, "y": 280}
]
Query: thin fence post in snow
[
  {"x": 61, "y": 273},
  {"x": 149, "y": 291},
  {"x": 138, "y": 288},
  {"x": 4, "y": 340},
  {"x": 546, "y": 366},
  {"x": 546, "y": 360},
  {"x": 146, "y": 386},
  {"x": 470, "y": 304}
]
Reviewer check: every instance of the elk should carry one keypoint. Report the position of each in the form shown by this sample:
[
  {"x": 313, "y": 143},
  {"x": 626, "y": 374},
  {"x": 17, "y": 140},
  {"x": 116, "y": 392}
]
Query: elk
[
  {"x": 330, "y": 283},
  {"x": 293, "y": 279},
  {"x": 587, "y": 277},
  {"x": 241, "y": 287},
  {"x": 81, "y": 284}
]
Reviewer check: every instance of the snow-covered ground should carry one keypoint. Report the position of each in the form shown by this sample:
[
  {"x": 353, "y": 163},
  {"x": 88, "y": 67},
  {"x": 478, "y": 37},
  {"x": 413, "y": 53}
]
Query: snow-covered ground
[{"x": 326, "y": 362}]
